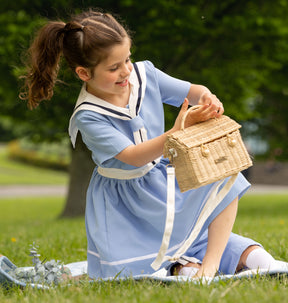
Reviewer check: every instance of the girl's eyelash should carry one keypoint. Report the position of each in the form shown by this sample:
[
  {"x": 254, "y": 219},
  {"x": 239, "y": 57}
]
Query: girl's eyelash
[{"x": 115, "y": 68}]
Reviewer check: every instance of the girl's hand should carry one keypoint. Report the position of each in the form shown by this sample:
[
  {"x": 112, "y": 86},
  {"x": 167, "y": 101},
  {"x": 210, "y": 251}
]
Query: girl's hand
[
  {"x": 198, "y": 115},
  {"x": 184, "y": 108},
  {"x": 210, "y": 107},
  {"x": 201, "y": 114},
  {"x": 215, "y": 107}
]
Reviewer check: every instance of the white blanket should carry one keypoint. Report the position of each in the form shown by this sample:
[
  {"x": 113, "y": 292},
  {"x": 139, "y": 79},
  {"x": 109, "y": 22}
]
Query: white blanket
[{"x": 79, "y": 268}]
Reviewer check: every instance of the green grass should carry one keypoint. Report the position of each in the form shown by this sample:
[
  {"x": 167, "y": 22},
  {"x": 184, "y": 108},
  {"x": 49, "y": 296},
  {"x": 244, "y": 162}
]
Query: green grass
[
  {"x": 13, "y": 172},
  {"x": 23, "y": 221}
]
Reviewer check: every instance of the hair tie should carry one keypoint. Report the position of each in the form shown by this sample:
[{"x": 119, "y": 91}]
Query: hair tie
[{"x": 66, "y": 29}]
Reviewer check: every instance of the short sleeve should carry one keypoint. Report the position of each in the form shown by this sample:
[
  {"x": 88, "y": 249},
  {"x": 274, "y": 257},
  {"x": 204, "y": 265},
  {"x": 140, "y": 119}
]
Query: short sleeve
[
  {"x": 173, "y": 91},
  {"x": 101, "y": 137}
]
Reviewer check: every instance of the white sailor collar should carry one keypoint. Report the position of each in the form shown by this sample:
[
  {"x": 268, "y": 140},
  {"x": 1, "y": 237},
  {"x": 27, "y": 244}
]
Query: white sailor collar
[{"x": 87, "y": 101}]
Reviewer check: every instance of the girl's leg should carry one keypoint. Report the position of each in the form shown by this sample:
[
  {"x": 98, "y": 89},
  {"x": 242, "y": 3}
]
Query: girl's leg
[
  {"x": 218, "y": 234},
  {"x": 253, "y": 257}
]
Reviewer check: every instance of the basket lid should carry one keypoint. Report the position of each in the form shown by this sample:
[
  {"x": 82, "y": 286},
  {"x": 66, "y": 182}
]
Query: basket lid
[{"x": 204, "y": 132}]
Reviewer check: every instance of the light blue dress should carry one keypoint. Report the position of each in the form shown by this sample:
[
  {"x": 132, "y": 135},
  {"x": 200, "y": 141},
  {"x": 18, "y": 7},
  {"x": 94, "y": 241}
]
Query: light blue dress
[{"x": 125, "y": 219}]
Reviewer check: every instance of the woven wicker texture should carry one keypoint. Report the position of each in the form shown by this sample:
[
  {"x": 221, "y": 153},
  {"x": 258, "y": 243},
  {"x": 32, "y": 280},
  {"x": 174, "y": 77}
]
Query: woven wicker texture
[
  {"x": 206, "y": 131},
  {"x": 207, "y": 152}
]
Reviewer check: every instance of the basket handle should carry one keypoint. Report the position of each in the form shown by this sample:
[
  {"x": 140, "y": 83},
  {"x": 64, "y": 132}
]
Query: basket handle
[{"x": 187, "y": 112}]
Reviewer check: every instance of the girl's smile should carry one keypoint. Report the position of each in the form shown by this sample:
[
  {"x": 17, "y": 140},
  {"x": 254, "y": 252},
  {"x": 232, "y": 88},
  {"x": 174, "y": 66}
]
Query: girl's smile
[
  {"x": 123, "y": 83},
  {"x": 111, "y": 76}
]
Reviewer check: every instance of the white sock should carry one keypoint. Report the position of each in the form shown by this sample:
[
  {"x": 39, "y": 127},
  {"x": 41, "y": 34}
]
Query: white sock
[
  {"x": 188, "y": 271},
  {"x": 259, "y": 258}
]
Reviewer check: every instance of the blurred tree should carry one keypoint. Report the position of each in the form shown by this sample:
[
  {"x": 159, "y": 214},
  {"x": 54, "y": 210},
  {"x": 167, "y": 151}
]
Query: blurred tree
[{"x": 236, "y": 48}]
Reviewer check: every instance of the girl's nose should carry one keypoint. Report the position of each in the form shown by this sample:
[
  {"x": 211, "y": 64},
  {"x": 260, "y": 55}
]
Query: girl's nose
[{"x": 126, "y": 70}]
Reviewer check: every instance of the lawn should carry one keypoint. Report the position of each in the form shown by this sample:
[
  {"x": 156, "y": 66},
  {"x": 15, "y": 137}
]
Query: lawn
[
  {"x": 23, "y": 221},
  {"x": 36, "y": 219}
]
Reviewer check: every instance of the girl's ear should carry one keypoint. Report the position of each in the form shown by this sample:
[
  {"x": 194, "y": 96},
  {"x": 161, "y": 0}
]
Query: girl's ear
[{"x": 83, "y": 73}]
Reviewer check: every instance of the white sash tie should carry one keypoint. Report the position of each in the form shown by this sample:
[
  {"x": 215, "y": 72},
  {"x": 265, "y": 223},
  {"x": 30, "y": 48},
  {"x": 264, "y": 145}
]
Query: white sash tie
[{"x": 213, "y": 201}]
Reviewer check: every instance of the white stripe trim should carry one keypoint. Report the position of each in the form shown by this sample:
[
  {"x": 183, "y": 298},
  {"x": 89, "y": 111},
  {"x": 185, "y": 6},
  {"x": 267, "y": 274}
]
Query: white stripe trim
[
  {"x": 124, "y": 261},
  {"x": 135, "y": 88},
  {"x": 93, "y": 253}
]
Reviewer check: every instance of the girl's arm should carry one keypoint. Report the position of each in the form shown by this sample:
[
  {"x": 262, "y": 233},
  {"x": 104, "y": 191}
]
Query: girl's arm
[
  {"x": 199, "y": 94},
  {"x": 143, "y": 153}
]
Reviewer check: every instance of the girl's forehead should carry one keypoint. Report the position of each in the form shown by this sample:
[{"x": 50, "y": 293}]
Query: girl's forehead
[{"x": 118, "y": 53}]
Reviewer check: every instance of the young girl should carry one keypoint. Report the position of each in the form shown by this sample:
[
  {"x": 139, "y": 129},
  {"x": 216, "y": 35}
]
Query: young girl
[{"x": 119, "y": 114}]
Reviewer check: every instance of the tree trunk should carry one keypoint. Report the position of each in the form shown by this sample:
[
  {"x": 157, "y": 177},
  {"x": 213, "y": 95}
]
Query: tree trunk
[{"x": 80, "y": 171}]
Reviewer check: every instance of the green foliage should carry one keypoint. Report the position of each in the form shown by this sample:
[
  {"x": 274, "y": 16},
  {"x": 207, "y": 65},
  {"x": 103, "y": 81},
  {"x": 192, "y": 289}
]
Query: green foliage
[
  {"x": 238, "y": 49},
  {"x": 50, "y": 155},
  {"x": 16, "y": 27}
]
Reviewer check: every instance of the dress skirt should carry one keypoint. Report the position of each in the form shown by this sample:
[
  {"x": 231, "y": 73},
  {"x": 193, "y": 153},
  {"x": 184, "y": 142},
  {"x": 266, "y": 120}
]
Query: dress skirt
[{"x": 125, "y": 221}]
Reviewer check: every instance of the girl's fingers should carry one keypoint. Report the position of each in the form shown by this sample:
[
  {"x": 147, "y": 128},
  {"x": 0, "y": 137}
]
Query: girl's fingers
[{"x": 185, "y": 105}]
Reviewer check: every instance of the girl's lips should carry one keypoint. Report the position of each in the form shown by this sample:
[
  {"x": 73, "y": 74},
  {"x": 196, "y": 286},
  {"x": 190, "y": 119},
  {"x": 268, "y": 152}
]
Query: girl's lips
[{"x": 123, "y": 83}]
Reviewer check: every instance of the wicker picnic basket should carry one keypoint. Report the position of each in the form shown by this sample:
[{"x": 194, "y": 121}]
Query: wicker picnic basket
[{"x": 206, "y": 152}]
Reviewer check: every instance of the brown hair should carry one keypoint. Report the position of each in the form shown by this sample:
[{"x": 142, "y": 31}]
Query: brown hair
[{"x": 84, "y": 41}]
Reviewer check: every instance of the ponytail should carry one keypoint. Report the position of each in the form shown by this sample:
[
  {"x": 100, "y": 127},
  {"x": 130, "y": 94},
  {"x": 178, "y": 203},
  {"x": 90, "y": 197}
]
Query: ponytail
[
  {"x": 84, "y": 41},
  {"x": 44, "y": 54}
]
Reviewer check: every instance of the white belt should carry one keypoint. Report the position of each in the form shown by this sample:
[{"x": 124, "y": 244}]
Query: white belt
[{"x": 125, "y": 174}]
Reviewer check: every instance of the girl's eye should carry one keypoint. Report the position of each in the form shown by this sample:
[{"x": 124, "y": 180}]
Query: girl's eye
[{"x": 113, "y": 69}]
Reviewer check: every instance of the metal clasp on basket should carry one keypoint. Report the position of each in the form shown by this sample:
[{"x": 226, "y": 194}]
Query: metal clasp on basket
[
  {"x": 173, "y": 154},
  {"x": 231, "y": 140},
  {"x": 205, "y": 150}
]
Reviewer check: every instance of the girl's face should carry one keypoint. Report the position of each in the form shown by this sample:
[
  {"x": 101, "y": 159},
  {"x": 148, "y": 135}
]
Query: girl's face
[{"x": 111, "y": 75}]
